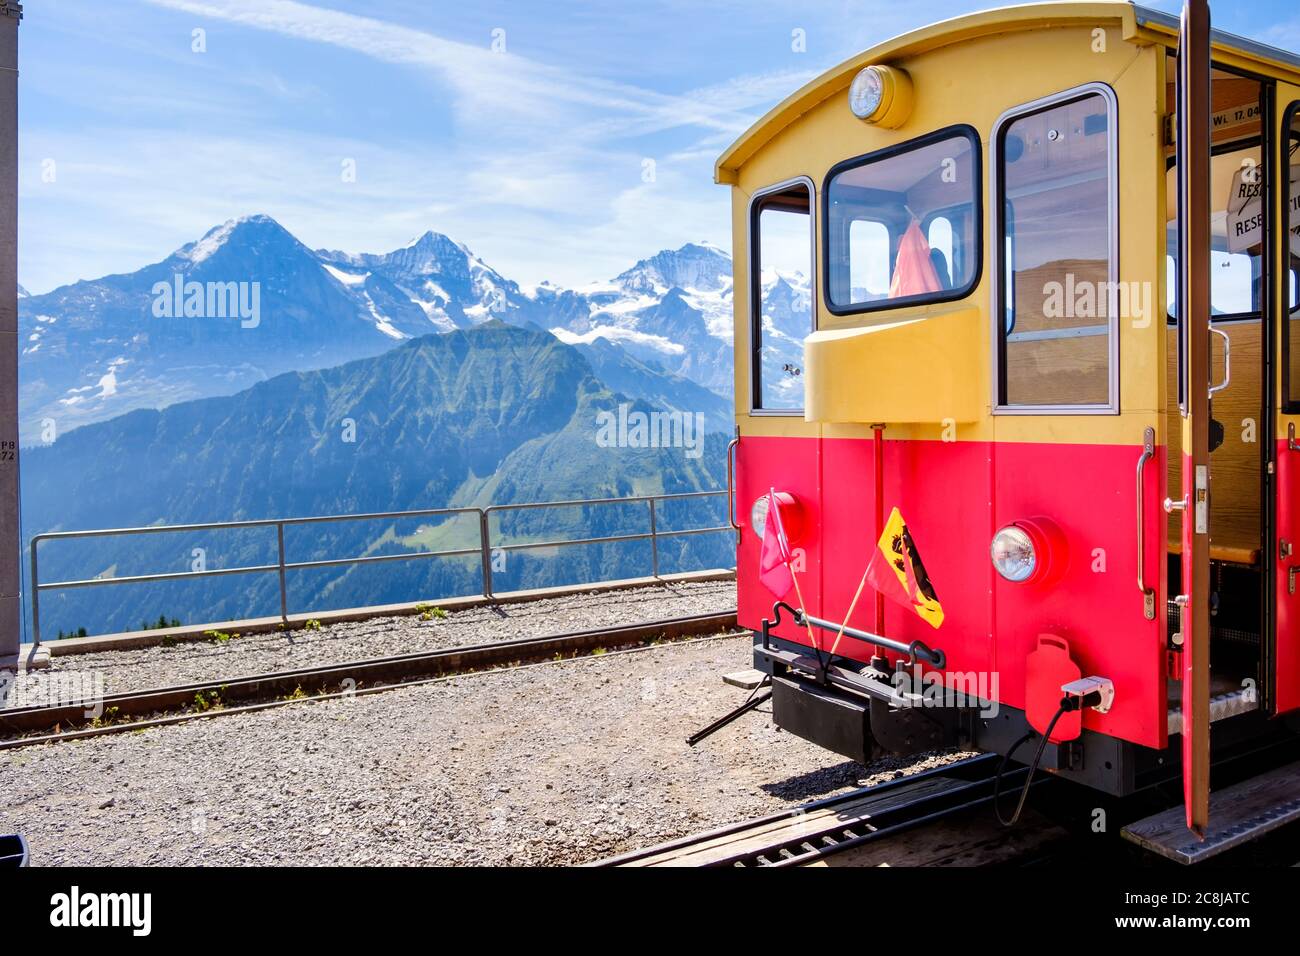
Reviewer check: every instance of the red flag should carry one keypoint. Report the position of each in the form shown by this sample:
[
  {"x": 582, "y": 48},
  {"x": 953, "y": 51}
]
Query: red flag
[
  {"x": 774, "y": 557},
  {"x": 914, "y": 271}
]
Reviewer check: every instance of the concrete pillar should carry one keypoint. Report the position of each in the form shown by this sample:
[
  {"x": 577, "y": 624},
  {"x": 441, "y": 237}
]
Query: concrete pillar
[{"x": 10, "y": 544}]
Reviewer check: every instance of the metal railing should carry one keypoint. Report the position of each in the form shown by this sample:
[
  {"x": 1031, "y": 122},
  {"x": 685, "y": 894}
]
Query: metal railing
[{"x": 485, "y": 547}]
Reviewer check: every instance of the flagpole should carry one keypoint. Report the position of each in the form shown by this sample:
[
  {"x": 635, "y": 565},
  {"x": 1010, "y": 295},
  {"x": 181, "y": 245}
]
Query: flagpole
[
  {"x": 815, "y": 643},
  {"x": 852, "y": 605}
]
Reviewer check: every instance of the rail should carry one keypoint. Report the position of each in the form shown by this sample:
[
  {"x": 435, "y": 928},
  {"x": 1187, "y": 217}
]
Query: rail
[{"x": 281, "y": 567}]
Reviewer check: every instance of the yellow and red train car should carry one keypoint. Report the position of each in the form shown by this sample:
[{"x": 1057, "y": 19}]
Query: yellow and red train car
[{"x": 963, "y": 293}]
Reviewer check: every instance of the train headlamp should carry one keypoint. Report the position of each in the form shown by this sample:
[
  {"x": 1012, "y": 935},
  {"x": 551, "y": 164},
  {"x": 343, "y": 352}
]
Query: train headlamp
[
  {"x": 881, "y": 95},
  {"x": 792, "y": 516},
  {"x": 758, "y": 515},
  {"x": 1013, "y": 553}
]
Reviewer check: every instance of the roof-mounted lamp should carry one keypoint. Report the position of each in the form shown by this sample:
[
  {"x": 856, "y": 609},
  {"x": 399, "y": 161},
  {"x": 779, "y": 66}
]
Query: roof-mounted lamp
[{"x": 882, "y": 96}]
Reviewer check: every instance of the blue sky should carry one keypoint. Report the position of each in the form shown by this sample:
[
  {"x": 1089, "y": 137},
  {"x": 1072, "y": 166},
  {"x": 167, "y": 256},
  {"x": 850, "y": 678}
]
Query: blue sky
[{"x": 132, "y": 143}]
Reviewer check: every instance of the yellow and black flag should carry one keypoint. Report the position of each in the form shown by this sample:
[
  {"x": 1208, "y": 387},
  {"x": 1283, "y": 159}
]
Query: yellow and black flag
[{"x": 896, "y": 572}]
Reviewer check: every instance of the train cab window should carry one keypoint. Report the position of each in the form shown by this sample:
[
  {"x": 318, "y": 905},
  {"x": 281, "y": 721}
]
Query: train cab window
[
  {"x": 938, "y": 233},
  {"x": 781, "y": 244},
  {"x": 902, "y": 225},
  {"x": 1058, "y": 293},
  {"x": 866, "y": 271}
]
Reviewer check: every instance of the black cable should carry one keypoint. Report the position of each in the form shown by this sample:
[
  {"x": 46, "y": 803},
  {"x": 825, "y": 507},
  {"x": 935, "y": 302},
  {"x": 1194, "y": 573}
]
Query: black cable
[{"x": 1068, "y": 704}]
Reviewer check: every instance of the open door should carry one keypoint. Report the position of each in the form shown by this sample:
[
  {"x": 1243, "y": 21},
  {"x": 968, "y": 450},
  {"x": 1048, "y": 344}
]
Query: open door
[
  {"x": 1194, "y": 174},
  {"x": 1285, "y": 676}
]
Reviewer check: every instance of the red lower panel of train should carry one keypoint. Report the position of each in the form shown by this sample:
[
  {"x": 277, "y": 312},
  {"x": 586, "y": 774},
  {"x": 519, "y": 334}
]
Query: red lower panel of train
[{"x": 954, "y": 497}]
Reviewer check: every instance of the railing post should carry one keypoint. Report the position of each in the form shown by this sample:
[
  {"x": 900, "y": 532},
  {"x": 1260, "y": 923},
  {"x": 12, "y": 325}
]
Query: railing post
[
  {"x": 654, "y": 541},
  {"x": 34, "y": 587},
  {"x": 485, "y": 545},
  {"x": 11, "y": 548},
  {"x": 284, "y": 600}
]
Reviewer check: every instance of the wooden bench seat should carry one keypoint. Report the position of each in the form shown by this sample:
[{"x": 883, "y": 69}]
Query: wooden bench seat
[{"x": 1227, "y": 553}]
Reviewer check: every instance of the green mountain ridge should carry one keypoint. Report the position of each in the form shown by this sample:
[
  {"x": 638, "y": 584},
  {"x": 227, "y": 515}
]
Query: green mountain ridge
[{"x": 488, "y": 415}]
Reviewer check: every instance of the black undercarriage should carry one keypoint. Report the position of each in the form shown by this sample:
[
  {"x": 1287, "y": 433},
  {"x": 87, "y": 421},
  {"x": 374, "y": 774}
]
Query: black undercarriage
[{"x": 863, "y": 711}]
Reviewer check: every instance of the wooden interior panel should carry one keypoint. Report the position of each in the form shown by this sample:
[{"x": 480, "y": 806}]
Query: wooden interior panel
[
  {"x": 1234, "y": 466},
  {"x": 1293, "y": 355},
  {"x": 1234, "y": 100}
]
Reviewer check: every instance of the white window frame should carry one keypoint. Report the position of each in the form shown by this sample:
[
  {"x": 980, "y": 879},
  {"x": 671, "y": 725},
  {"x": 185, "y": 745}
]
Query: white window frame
[
  {"x": 998, "y": 311},
  {"x": 755, "y": 291}
]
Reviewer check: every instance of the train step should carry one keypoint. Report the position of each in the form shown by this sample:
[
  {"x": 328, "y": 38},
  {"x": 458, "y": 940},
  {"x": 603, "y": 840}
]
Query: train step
[
  {"x": 746, "y": 679},
  {"x": 1238, "y": 814}
]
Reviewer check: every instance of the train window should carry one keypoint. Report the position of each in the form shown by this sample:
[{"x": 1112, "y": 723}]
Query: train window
[
  {"x": 868, "y": 272},
  {"x": 781, "y": 244},
  {"x": 902, "y": 225},
  {"x": 939, "y": 235},
  {"x": 1057, "y": 279},
  {"x": 1236, "y": 233}
]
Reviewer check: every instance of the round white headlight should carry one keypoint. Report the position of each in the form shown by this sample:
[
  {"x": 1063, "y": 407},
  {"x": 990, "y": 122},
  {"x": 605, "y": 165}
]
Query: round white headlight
[
  {"x": 1013, "y": 555},
  {"x": 866, "y": 92},
  {"x": 758, "y": 516}
]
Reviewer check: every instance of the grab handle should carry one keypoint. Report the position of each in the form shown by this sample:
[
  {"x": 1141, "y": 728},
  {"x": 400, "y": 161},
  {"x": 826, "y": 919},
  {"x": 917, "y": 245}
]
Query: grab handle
[
  {"x": 1148, "y": 452},
  {"x": 1227, "y": 361},
  {"x": 731, "y": 482}
]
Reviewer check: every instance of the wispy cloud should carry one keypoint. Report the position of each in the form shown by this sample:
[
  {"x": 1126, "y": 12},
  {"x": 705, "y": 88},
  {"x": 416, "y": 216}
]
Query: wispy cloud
[
  {"x": 490, "y": 86},
  {"x": 536, "y": 157}
]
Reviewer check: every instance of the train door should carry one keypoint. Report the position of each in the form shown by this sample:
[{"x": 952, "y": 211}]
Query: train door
[
  {"x": 1221, "y": 454},
  {"x": 775, "y": 448},
  {"x": 1194, "y": 177},
  {"x": 1285, "y": 683}
]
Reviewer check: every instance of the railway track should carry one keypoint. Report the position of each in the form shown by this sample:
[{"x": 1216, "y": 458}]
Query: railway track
[
  {"x": 135, "y": 710},
  {"x": 952, "y": 803}
]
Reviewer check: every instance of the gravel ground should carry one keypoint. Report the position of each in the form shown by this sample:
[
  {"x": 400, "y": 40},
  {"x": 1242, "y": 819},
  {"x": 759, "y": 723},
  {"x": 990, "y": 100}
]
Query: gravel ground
[
  {"x": 250, "y": 654},
  {"x": 550, "y": 764}
]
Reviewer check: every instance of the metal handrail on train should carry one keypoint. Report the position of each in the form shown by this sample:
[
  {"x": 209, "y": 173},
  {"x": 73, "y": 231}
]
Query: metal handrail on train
[{"x": 485, "y": 548}]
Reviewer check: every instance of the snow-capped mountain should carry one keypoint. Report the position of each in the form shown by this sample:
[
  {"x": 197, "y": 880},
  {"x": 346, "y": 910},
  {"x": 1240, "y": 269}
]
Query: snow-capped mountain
[
  {"x": 243, "y": 303},
  {"x": 447, "y": 284},
  {"x": 248, "y": 301},
  {"x": 22, "y": 293},
  {"x": 676, "y": 309}
]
